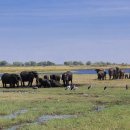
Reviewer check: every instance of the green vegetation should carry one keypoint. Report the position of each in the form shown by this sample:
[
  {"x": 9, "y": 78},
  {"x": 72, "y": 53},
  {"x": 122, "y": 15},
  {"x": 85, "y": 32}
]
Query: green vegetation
[
  {"x": 94, "y": 108},
  {"x": 113, "y": 104}
]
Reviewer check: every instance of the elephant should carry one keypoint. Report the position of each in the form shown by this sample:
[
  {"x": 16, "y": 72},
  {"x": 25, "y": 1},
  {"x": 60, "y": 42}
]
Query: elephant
[
  {"x": 101, "y": 74},
  {"x": 28, "y": 76},
  {"x": 44, "y": 83},
  {"x": 46, "y": 77},
  {"x": 67, "y": 77},
  {"x": 116, "y": 73},
  {"x": 55, "y": 77},
  {"x": 121, "y": 74},
  {"x": 55, "y": 83},
  {"x": 11, "y": 79},
  {"x": 112, "y": 73}
]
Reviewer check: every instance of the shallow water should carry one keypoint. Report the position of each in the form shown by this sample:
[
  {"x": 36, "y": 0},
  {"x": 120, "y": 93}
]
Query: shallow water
[
  {"x": 9, "y": 90},
  {"x": 92, "y": 71},
  {"x": 42, "y": 119},
  {"x": 45, "y": 118},
  {"x": 14, "y": 115},
  {"x": 99, "y": 108}
]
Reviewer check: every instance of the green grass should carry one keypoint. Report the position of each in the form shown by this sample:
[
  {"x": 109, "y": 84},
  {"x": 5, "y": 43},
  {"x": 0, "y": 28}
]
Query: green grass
[{"x": 82, "y": 102}]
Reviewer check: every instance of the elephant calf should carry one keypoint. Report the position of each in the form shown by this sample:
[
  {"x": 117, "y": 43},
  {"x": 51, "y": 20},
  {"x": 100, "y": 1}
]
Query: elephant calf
[{"x": 44, "y": 83}]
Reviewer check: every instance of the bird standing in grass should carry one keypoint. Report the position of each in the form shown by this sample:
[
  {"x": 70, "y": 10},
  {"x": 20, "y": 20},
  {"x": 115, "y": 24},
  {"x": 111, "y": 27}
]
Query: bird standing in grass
[
  {"x": 126, "y": 86},
  {"x": 89, "y": 86},
  {"x": 105, "y": 88}
]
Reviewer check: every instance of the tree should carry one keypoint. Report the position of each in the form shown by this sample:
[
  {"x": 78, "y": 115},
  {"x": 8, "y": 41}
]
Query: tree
[
  {"x": 49, "y": 63},
  {"x": 27, "y": 64},
  {"x": 68, "y": 63},
  {"x": 17, "y": 63},
  {"x": 45, "y": 63},
  {"x": 3, "y": 63},
  {"x": 77, "y": 63},
  {"x": 88, "y": 63},
  {"x": 33, "y": 63}
]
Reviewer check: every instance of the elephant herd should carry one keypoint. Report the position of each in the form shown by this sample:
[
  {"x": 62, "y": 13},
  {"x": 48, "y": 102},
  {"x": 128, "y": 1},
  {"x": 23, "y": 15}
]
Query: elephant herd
[
  {"x": 53, "y": 80},
  {"x": 114, "y": 73}
]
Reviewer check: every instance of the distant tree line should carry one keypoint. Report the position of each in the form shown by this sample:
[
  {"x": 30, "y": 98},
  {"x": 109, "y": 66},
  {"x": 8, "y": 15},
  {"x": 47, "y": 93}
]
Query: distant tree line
[
  {"x": 29, "y": 63},
  {"x": 101, "y": 63},
  {"x": 49, "y": 63}
]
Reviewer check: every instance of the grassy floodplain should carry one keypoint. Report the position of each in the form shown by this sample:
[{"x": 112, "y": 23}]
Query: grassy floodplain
[
  {"x": 95, "y": 109},
  {"x": 52, "y": 68}
]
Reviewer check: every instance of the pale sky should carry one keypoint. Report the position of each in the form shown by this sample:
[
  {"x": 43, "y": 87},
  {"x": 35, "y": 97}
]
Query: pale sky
[{"x": 65, "y": 30}]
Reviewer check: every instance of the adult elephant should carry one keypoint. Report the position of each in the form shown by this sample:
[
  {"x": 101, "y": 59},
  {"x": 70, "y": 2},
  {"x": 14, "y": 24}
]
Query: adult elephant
[
  {"x": 11, "y": 79},
  {"x": 115, "y": 73},
  {"x": 112, "y": 73},
  {"x": 121, "y": 74},
  {"x": 28, "y": 76},
  {"x": 67, "y": 77},
  {"x": 55, "y": 77},
  {"x": 101, "y": 74}
]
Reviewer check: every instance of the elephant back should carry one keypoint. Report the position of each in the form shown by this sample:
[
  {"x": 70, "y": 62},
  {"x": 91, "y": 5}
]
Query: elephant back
[
  {"x": 27, "y": 75},
  {"x": 55, "y": 77},
  {"x": 5, "y": 78}
]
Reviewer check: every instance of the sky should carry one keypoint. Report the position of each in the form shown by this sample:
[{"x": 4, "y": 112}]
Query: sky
[{"x": 65, "y": 30}]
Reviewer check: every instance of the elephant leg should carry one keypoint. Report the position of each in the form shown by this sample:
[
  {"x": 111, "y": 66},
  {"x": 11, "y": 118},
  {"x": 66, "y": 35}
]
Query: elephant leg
[
  {"x": 29, "y": 84},
  {"x": 67, "y": 83},
  {"x": 17, "y": 84},
  {"x": 103, "y": 77},
  {"x": 13, "y": 85},
  {"x": 23, "y": 84},
  {"x": 3, "y": 85},
  {"x": 71, "y": 81},
  {"x": 64, "y": 83},
  {"x": 37, "y": 82}
]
